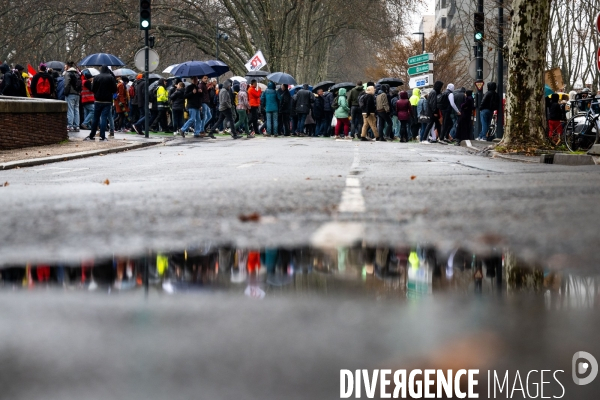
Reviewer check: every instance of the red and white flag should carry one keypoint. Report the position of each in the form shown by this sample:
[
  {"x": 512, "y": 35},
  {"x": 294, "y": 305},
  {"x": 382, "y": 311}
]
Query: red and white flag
[{"x": 256, "y": 62}]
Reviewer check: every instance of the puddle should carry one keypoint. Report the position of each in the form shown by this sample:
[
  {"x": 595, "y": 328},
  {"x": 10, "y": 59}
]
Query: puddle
[{"x": 403, "y": 273}]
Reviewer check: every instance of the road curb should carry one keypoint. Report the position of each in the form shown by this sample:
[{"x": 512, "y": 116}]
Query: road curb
[
  {"x": 73, "y": 156},
  {"x": 495, "y": 154}
]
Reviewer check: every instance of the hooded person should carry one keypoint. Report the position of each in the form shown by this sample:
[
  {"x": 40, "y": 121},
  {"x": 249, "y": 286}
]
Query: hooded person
[
  {"x": 269, "y": 100},
  {"x": 72, "y": 92},
  {"x": 368, "y": 113},
  {"x": 22, "y": 77},
  {"x": 304, "y": 101},
  {"x": 488, "y": 105},
  {"x": 177, "y": 98},
  {"x": 383, "y": 113},
  {"x": 414, "y": 102},
  {"x": 9, "y": 85},
  {"x": 42, "y": 84},
  {"x": 104, "y": 87},
  {"x": 445, "y": 106},
  {"x": 404, "y": 113},
  {"x": 555, "y": 116},
  {"x": 342, "y": 114},
  {"x": 434, "y": 127},
  {"x": 355, "y": 111},
  {"x": 328, "y": 98},
  {"x": 226, "y": 109},
  {"x": 243, "y": 108},
  {"x": 285, "y": 109},
  {"x": 464, "y": 128},
  {"x": 457, "y": 99}
]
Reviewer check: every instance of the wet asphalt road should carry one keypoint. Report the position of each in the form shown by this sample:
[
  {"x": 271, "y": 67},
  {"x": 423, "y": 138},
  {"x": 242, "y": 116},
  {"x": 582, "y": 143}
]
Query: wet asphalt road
[{"x": 193, "y": 192}]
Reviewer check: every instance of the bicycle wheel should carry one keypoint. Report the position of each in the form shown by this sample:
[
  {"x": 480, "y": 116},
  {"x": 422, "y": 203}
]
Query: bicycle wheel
[{"x": 579, "y": 133}]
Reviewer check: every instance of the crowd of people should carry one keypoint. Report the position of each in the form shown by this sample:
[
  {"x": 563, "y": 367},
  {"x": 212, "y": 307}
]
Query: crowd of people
[{"x": 202, "y": 107}]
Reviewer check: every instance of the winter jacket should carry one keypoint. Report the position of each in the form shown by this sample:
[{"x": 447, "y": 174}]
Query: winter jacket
[
  {"x": 194, "y": 100},
  {"x": 432, "y": 98},
  {"x": 122, "y": 100},
  {"x": 162, "y": 94},
  {"x": 285, "y": 102},
  {"x": 70, "y": 79},
  {"x": 34, "y": 85},
  {"x": 242, "y": 99},
  {"x": 328, "y": 98},
  {"x": 86, "y": 92},
  {"x": 353, "y": 96},
  {"x": 177, "y": 99},
  {"x": 343, "y": 109},
  {"x": 403, "y": 107},
  {"x": 416, "y": 96},
  {"x": 60, "y": 88},
  {"x": 205, "y": 98},
  {"x": 254, "y": 96},
  {"x": 490, "y": 98},
  {"x": 140, "y": 90},
  {"x": 304, "y": 101},
  {"x": 422, "y": 108},
  {"x": 8, "y": 86},
  {"x": 383, "y": 104},
  {"x": 459, "y": 98},
  {"x": 104, "y": 86},
  {"x": 319, "y": 107},
  {"x": 369, "y": 102},
  {"x": 225, "y": 98},
  {"x": 269, "y": 100}
]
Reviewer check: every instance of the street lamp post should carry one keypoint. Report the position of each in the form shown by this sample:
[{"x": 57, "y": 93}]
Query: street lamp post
[
  {"x": 218, "y": 37},
  {"x": 422, "y": 40}
]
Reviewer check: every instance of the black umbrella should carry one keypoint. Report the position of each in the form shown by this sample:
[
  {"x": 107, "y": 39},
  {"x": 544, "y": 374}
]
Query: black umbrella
[
  {"x": 393, "y": 82},
  {"x": 323, "y": 85},
  {"x": 99, "y": 59},
  {"x": 219, "y": 66},
  {"x": 345, "y": 85},
  {"x": 257, "y": 74},
  {"x": 154, "y": 76},
  {"x": 281, "y": 78},
  {"x": 55, "y": 65}
]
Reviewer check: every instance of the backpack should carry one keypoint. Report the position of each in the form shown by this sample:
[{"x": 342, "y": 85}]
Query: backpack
[
  {"x": 14, "y": 88},
  {"x": 335, "y": 104},
  {"x": 43, "y": 86},
  {"x": 361, "y": 100},
  {"x": 76, "y": 82},
  {"x": 443, "y": 102}
]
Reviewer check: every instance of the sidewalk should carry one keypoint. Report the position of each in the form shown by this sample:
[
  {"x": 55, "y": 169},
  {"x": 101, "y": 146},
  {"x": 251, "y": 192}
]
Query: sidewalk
[{"x": 74, "y": 148}]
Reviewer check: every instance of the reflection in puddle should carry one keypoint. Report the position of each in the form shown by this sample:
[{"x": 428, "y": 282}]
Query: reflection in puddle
[{"x": 378, "y": 272}]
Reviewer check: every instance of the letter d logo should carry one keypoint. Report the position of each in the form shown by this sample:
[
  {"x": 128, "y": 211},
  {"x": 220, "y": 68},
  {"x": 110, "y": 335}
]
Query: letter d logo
[{"x": 584, "y": 367}]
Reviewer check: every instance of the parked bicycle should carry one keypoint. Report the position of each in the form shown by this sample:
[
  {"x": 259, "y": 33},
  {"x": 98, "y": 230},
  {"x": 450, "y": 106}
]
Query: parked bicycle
[{"x": 581, "y": 132}]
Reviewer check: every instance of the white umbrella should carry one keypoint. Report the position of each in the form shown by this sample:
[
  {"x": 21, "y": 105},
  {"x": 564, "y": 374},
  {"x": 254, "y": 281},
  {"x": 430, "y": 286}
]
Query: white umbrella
[
  {"x": 169, "y": 68},
  {"x": 262, "y": 86},
  {"x": 238, "y": 79},
  {"x": 92, "y": 71}
]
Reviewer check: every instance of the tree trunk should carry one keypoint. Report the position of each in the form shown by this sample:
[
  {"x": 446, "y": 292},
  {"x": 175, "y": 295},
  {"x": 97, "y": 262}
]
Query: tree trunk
[{"x": 525, "y": 112}]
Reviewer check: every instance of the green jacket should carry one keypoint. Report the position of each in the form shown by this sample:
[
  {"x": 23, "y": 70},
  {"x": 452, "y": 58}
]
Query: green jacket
[
  {"x": 353, "y": 96},
  {"x": 343, "y": 110}
]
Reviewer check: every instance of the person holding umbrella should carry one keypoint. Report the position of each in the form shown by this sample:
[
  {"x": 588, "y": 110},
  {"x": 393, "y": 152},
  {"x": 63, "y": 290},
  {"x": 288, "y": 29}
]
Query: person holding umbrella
[
  {"x": 194, "y": 104},
  {"x": 270, "y": 102},
  {"x": 304, "y": 101},
  {"x": 243, "y": 107},
  {"x": 225, "y": 109},
  {"x": 104, "y": 87},
  {"x": 162, "y": 105},
  {"x": 205, "y": 102}
]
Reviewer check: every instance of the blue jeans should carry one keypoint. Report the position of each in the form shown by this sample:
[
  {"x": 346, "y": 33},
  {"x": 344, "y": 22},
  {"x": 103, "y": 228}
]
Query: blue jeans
[
  {"x": 272, "y": 121},
  {"x": 486, "y": 119},
  {"x": 422, "y": 135},
  {"x": 321, "y": 128},
  {"x": 196, "y": 119},
  {"x": 73, "y": 110},
  {"x": 301, "y": 120},
  {"x": 88, "y": 113},
  {"x": 206, "y": 116},
  {"x": 101, "y": 115}
]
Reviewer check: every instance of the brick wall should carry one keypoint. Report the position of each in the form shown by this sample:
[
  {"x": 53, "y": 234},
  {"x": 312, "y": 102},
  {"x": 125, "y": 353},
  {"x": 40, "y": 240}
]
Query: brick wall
[{"x": 31, "y": 122}]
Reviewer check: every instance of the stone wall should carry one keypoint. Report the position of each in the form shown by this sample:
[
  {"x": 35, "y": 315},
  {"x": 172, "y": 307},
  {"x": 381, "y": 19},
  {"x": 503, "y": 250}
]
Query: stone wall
[{"x": 26, "y": 122}]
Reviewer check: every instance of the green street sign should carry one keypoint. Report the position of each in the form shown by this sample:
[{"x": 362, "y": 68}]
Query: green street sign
[
  {"x": 420, "y": 69},
  {"x": 420, "y": 59}
]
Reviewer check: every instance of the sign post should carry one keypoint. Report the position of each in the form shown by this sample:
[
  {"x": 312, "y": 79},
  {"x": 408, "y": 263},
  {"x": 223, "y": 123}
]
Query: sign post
[
  {"x": 420, "y": 59},
  {"x": 420, "y": 69},
  {"x": 421, "y": 81}
]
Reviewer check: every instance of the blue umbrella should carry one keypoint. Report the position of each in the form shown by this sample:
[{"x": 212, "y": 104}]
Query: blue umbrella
[
  {"x": 281, "y": 78},
  {"x": 219, "y": 66},
  {"x": 296, "y": 88},
  {"x": 99, "y": 59},
  {"x": 548, "y": 91},
  {"x": 194, "y": 68}
]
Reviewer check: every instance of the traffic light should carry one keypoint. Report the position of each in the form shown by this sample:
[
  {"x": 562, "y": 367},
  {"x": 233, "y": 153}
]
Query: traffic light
[
  {"x": 145, "y": 15},
  {"x": 478, "y": 25}
]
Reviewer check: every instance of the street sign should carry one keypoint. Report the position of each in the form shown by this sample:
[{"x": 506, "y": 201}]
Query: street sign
[
  {"x": 140, "y": 61},
  {"x": 420, "y": 69},
  {"x": 421, "y": 81},
  {"x": 479, "y": 85},
  {"x": 473, "y": 69},
  {"x": 420, "y": 59}
]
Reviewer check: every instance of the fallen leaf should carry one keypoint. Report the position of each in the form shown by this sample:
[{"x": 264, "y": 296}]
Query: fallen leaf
[
  {"x": 339, "y": 176},
  {"x": 412, "y": 178},
  {"x": 254, "y": 217},
  {"x": 26, "y": 154},
  {"x": 5, "y": 184},
  {"x": 106, "y": 182},
  {"x": 308, "y": 179},
  {"x": 428, "y": 160},
  {"x": 47, "y": 154},
  {"x": 39, "y": 151}
]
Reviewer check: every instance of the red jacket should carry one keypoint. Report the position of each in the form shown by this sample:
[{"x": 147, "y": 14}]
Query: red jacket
[
  {"x": 254, "y": 96},
  {"x": 403, "y": 107},
  {"x": 86, "y": 94}
]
